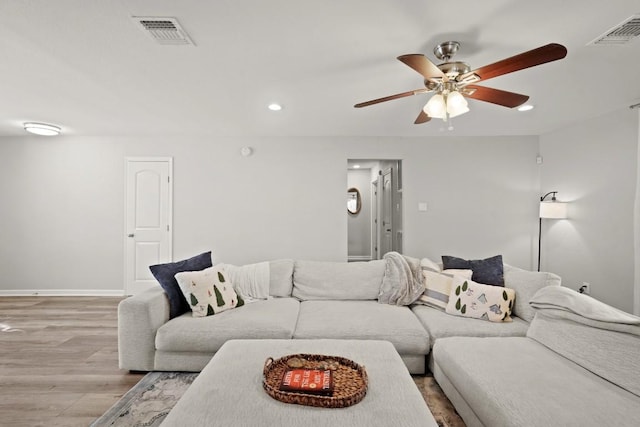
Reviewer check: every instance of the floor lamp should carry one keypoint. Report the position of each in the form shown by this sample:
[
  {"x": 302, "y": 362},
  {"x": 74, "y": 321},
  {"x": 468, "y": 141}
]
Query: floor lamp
[{"x": 549, "y": 209}]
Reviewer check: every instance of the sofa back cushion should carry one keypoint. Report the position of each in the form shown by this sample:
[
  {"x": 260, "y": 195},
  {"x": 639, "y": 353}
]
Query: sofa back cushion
[
  {"x": 314, "y": 280},
  {"x": 281, "y": 277},
  {"x": 526, "y": 284}
]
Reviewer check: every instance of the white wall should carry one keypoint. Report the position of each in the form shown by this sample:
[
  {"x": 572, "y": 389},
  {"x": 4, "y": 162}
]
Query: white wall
[
  {"x": 593, "y": 166},
  {"x": 481, "y": 196},
  {"x": 62, "y": 208}
]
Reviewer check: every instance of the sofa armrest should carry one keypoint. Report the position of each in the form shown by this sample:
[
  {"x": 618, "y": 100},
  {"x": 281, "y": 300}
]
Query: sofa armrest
[{"x": 139, "y": 318}]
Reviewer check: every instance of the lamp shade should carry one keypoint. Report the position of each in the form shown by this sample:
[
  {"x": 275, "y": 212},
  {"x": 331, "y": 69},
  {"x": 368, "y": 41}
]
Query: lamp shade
[
  {"x": 456, "y": 104},
  {"x": 436, "y": 107},
  {"x": 553, "y": 210}
]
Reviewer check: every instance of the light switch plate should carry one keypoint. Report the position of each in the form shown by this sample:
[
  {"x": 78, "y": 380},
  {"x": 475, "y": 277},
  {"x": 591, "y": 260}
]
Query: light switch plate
[{"x": 422, "y": 207}]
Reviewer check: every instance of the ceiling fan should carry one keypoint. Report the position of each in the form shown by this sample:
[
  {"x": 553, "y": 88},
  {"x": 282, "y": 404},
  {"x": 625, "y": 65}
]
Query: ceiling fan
[{"x": 454, "y": 81}]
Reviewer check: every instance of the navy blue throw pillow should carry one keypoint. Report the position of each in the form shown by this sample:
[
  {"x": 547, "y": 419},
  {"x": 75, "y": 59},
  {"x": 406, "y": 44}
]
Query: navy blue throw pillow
[
  {"x": 489, "y": 271},
  {"x": 165, "y": 275}
]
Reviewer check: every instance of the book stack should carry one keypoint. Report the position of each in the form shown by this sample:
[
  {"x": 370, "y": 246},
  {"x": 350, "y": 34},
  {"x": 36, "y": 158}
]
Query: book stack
[{"x": 311, "y": 381}]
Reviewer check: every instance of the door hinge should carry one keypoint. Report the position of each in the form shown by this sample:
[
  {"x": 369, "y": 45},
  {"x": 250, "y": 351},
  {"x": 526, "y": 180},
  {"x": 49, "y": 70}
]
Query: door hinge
[
  {"x": 169, "y": 179},
  {"x": 167, "y": 227}
]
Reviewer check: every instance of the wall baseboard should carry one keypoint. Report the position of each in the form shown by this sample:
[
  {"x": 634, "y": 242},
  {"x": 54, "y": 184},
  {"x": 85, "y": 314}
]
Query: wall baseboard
[{"x": 61, "y": 292}]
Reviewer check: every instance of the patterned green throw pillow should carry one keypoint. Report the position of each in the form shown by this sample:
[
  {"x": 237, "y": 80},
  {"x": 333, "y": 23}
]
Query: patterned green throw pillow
[
  {"x": 486, "y": 302},
  {"x": 208, "y": 292}
]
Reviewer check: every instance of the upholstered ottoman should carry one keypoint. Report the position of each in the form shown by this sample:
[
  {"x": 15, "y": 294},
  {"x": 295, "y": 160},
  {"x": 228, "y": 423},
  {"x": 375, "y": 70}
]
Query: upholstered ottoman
[{"x": 229, "y": 390}]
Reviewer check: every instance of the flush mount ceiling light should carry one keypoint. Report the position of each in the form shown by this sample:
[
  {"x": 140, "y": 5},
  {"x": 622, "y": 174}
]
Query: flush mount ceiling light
[
  {"x": 275, "y": 107},
  {"x": 42, "y": 129}
]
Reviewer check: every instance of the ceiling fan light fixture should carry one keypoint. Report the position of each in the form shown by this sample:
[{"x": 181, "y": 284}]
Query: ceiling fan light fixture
[
  {"x": 436, "y": 107},
  {"x": 452, "y": 81},
  {"x": 456, "y": 104}
]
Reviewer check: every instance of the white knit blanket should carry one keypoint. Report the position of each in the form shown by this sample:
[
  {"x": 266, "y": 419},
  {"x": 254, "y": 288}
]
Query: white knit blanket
[
  {"x": 403, "y": 282},
  {"x": 561, "y": 302}
]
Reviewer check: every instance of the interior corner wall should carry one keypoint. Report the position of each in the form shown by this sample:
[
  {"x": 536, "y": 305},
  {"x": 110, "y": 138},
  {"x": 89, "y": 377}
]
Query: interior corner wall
[
  {"x": 593, "y": 166},
  {"x": 62, "y": 211}
]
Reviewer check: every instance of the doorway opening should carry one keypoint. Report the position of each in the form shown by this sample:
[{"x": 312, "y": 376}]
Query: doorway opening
[{"x": 377, "y": 227}]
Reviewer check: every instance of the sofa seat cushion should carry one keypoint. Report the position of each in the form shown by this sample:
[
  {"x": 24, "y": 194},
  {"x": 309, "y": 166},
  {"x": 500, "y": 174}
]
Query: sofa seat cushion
[
  {"x": 364, "y": 320},
  {"x": 272, "y": 318},
  {"x": 440, "y": 325},
  {"x": 519, "y": 382}
]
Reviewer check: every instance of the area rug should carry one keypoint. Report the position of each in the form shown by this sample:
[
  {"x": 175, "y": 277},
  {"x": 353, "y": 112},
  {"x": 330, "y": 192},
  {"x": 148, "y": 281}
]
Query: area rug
[
  {"x": 441, "y": 408},
  {"x": 148, "y": 402}
]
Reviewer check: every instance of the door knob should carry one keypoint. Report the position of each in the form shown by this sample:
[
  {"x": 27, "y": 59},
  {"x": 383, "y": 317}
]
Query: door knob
[{"x": 130, "y": 235}]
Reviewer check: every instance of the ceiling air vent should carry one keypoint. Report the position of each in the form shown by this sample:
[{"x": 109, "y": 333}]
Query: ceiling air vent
[
  {"x": 620, "y": 34},
  {"x": 164, "y": 30}
]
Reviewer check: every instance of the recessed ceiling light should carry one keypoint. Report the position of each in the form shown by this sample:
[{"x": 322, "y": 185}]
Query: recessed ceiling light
[
  {"x": 525, "y": 107},
  {"x": 275, "y": 107},
  {"x": 42, "y": 129},
  {"x": 356, "y": 166}
]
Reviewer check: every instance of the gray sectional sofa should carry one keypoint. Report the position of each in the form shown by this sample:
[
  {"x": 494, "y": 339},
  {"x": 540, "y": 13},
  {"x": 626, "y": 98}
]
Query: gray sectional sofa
[
  {"x": 307, "y": 300},
  {"x": 577, "y": 366},
  {"x": 533, "y": 371}
]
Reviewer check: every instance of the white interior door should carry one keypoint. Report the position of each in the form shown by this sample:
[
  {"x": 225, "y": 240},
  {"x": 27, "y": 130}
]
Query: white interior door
[{"x": 148, "y": 219}]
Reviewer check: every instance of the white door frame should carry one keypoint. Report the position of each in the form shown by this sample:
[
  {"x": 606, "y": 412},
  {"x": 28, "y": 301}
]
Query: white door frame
[
  {"x": 125, "y": 237},
  {"x": 374, "y": 220},
  {"x": 386, "y": 203}
]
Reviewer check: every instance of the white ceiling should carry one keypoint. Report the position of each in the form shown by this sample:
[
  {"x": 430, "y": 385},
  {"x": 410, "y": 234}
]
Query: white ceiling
[{"x": 87, "y": 66}]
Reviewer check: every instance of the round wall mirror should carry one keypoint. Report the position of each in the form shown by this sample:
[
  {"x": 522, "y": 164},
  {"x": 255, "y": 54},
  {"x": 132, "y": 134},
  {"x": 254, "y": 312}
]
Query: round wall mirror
[{"x": 354, "y": 201}]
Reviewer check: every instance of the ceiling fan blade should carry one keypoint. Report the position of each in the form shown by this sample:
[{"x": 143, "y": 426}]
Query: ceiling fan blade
[
  {"x": 421, "y": 64},
  {"x": 541, "y": 55},
  {"x": 496, "y": 96},
  {"x": 391, "y": 97},
  {"x": 422, "y": 118}
]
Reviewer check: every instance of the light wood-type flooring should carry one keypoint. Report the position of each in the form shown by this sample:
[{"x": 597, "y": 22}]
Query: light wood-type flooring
[{"x": 59, "y": 360}]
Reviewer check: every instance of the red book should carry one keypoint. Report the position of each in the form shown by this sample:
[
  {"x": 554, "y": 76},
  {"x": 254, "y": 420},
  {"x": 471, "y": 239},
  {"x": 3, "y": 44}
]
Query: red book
[{"x": 313, "y": 381}]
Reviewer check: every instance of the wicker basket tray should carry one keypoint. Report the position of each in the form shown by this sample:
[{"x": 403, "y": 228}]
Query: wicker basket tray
[{"x": 350, "y": 380}]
